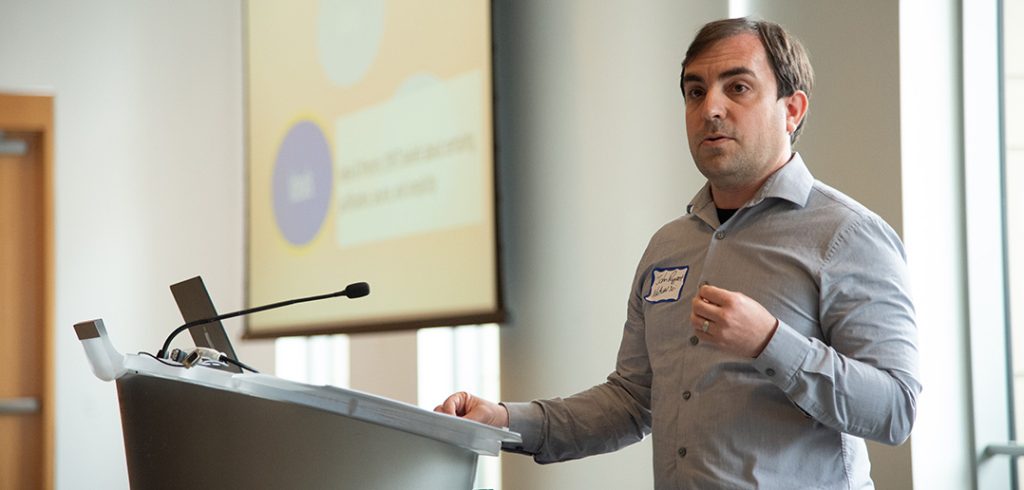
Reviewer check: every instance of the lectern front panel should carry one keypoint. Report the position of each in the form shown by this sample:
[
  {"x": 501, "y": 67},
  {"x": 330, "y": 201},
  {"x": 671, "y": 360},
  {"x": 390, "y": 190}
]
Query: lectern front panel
[{"x": 182, "y": 435}]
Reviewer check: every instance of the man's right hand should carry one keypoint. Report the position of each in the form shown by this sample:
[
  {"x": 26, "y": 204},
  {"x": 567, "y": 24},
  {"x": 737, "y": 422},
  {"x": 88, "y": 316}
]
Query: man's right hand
[{"x": 467, "y": 406}]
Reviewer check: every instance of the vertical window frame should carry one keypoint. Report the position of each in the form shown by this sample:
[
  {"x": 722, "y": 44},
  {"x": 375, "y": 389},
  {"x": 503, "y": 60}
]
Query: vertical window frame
[{"x": 985, "y": 226}]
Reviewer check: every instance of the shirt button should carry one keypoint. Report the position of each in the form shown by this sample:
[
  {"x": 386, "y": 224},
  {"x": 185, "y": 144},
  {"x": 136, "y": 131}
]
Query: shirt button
[
  {"x": 769, "y": 372},
  {"x": 694, "y": 340},
  {"x": 720, "y": 235},
  {"x": 687, "y": 395},
  {"x": 682, "y": 452}
]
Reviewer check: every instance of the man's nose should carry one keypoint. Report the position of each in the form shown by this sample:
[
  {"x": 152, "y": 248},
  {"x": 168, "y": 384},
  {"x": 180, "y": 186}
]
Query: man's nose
[{"x": 714, "y": 104}]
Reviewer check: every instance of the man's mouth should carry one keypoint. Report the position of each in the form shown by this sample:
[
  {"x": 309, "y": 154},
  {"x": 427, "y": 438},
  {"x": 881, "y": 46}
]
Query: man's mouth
[{"x": 715, "y": 138}]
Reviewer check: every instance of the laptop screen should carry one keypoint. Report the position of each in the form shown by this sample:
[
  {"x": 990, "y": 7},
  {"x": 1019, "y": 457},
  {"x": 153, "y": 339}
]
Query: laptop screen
[{"x": 195, "y": 304}]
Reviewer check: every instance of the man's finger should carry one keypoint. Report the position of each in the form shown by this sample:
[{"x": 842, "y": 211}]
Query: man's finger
[
  {"x": 704, "y": 310},
  {"x": 713, "y": 294},
  {"x": 452, "y": 405}
]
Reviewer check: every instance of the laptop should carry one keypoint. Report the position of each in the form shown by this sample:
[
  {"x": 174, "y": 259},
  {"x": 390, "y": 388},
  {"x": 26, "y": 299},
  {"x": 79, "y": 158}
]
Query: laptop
[{"x": 195, "y": 304}]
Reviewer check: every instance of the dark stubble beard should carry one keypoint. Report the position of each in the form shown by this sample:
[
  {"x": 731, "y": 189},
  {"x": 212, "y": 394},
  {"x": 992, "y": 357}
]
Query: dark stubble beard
[{"x": 724, "y": 171}]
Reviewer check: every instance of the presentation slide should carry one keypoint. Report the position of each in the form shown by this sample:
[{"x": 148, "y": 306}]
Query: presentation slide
[{"x": 370, "y": 158}]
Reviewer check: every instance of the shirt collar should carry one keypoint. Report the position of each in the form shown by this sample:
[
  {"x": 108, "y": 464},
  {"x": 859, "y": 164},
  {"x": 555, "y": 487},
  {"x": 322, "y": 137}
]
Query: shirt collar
[{"x": 792, "y": 182}]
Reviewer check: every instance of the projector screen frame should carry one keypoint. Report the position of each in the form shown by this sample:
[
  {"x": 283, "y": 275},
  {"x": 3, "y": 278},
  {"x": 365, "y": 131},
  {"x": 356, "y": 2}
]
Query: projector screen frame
[{"x": 413, "y": 322}]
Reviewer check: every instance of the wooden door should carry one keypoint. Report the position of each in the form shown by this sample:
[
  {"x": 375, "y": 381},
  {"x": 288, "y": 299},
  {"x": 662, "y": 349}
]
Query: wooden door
[{"x": 26, "y": 305}]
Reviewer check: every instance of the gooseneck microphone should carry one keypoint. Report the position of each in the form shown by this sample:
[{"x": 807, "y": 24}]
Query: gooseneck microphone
[{"x": 354, "y": 290}]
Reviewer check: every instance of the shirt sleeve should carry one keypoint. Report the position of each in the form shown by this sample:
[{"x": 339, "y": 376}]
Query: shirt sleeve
[
  {"x": 598, "y": 420},
  {"x": 862, "y": 377}
]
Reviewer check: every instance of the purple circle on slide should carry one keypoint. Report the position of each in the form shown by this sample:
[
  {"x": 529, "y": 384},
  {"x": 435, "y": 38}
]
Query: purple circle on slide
[{"x": 302, "y": 182}]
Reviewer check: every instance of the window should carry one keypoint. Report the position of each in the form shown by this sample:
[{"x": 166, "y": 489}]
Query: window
[
  {"x": 1013, "y": 192},
  {"x": 448, "y": 359},
  {"x": 460, "y": 358},
  {"x": 997, "y": 356}
]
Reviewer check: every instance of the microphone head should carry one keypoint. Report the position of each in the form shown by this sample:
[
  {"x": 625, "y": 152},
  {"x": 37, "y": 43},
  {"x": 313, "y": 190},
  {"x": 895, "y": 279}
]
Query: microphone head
[{"x": 357, "y": 290}]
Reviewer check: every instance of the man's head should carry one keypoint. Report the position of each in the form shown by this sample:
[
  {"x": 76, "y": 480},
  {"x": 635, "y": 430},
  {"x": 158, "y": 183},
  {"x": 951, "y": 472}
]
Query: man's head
[
  {"x": 745, "y": 85},
  {"x": 786, "y": 56}
]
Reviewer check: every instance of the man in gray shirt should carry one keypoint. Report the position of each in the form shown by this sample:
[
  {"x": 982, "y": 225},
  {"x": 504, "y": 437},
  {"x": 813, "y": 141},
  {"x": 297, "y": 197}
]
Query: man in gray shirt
[{"x": 769, "y": 330}]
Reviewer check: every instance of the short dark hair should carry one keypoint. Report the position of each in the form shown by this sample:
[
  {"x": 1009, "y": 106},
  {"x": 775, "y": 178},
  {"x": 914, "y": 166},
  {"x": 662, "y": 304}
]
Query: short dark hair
[{"x": 786, "y": 55}]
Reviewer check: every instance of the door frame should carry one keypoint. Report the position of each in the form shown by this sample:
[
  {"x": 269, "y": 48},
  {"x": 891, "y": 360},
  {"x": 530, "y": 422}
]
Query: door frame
[{"x": 34, "y": 113}]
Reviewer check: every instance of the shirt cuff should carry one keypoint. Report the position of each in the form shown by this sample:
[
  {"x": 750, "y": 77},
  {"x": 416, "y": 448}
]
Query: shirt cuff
[
  {"x": 527, "y": 419},
  {"x": 781, "y": 358}
]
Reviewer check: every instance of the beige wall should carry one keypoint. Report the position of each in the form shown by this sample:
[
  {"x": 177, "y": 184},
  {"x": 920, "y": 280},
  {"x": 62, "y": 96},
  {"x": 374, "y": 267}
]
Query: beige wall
[{"x": 852, "y": 136}]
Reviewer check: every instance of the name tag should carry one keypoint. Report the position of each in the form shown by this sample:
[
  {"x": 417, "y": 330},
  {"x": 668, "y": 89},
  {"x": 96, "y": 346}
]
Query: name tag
[{"x": 667, "y": 284}]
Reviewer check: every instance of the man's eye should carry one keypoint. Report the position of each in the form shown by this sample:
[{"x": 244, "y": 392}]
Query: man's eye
[
  {"x": 694, "y": 93},
  {"x": 740, "y": 88}
]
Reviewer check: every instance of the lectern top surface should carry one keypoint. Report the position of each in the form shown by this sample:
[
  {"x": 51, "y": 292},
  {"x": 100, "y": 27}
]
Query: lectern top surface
[{"x": 474, "y": 436}]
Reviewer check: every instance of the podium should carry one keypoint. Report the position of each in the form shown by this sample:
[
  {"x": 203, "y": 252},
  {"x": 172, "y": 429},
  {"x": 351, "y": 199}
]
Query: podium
[{"x": 204, "y": 427}]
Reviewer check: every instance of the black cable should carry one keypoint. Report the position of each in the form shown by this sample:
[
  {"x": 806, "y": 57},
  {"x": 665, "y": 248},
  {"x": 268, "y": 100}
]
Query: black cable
[
  {"x": 224, "y": 358},
  {"x": 161, "y": 360}
]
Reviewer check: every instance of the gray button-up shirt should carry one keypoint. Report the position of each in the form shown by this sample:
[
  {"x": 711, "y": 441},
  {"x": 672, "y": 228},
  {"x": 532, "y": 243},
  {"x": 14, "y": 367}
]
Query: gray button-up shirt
[{"x": 841, "y": 367}]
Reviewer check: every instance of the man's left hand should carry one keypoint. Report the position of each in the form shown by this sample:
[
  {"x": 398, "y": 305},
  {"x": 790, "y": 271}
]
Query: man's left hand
[{"x": 735, "y": 323}]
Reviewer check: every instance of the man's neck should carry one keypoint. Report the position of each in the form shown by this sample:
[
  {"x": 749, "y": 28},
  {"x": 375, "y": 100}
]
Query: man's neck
[{"x": 735, "y": 196}]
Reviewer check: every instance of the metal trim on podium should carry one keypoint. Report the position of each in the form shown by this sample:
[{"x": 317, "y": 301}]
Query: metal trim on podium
[{"x": 204, "y": 427}]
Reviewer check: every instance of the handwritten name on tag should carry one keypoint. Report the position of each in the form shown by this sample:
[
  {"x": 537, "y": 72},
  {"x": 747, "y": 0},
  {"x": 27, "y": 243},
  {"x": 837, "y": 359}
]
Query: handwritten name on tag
[{"x": 667, "y": 284}]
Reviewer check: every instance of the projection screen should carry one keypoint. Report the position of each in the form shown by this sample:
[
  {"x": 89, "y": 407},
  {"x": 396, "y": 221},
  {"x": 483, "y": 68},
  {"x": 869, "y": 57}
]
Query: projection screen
[{"x": 369, "y": 128}]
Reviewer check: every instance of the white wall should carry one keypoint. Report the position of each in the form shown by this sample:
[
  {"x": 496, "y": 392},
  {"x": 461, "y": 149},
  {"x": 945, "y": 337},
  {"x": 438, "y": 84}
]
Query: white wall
[{"x": 148, "y": 185}]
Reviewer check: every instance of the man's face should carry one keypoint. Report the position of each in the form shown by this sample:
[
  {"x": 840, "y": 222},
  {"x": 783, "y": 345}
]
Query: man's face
[{"x": 737, "y": 126}]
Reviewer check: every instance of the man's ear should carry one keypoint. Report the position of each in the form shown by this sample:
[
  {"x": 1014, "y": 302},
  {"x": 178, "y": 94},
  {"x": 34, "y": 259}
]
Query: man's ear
[{"x": 796, "y": 109}]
